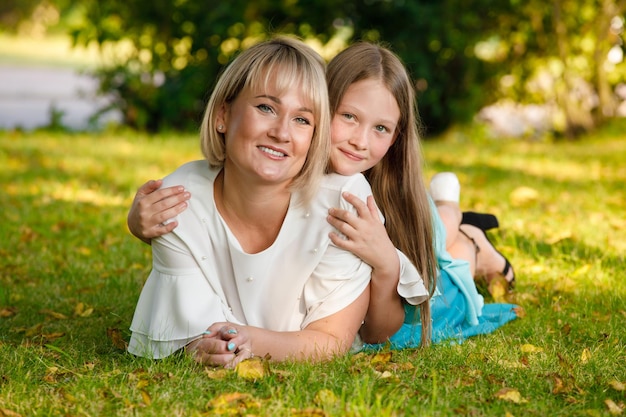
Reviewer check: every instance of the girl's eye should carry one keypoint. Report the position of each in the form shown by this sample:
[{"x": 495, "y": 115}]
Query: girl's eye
[
  {"x": 382, "y": 129},
  {"x": 348, "y": 116}
]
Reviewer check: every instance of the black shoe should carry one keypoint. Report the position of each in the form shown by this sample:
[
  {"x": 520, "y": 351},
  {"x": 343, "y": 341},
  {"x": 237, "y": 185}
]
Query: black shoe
[{"x": 484, "y": 221}]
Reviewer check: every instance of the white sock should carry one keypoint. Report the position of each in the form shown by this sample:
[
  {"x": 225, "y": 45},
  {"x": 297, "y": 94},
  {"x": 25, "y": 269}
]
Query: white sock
[{"x": 445, "y": 186}]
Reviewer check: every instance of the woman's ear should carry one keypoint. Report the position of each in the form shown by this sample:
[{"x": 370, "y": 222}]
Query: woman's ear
[{"x": 221, "y": 119}]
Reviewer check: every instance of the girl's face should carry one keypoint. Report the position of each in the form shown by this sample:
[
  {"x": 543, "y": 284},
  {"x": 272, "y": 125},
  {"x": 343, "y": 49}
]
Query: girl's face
[
  {"x": 268, "y": 134},
  {"x": 363, "y": 127}
]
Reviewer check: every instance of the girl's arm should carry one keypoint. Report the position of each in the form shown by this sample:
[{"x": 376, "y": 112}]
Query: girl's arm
[
  {"x": 366, "y": 237},
  {"x": 152, "y": 207}
]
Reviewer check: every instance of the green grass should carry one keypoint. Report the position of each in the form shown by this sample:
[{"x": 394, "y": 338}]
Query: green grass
[{"x": 70, "y": 275}]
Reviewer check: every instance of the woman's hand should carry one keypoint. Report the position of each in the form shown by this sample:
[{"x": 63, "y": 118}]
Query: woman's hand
[
  {"x": 153, "y": 206},
  {"x": 365, "y": 234},
  {"x": 222, "y": 344}
]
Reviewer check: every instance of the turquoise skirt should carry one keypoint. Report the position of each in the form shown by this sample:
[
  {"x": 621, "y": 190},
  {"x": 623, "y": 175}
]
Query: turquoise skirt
[{"x": 448, "y": 313}]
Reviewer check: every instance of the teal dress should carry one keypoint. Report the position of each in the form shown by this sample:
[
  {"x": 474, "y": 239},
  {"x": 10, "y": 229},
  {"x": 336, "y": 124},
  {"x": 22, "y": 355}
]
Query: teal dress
[{"x": 457, "y": 309}]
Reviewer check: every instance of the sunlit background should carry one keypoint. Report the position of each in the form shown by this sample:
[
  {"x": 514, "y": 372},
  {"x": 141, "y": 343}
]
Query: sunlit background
[{"x": 525, "y": 69}]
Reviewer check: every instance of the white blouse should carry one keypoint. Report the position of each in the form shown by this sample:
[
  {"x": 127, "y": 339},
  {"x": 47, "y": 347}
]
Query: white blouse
[{"x": 201, "y": 275}]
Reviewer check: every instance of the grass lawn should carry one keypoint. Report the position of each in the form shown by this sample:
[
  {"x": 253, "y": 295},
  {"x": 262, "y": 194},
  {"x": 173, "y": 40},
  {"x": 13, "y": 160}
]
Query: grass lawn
[{"x": 70, "y": 275}]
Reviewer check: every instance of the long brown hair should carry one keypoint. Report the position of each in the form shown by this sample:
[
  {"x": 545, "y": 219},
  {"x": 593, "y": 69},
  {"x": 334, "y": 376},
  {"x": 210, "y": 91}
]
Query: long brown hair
[{"x": 397, "y": 180}]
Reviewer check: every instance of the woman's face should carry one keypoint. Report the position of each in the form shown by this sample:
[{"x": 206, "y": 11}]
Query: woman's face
[
  {"x": 364, "y": 127},
  {"x": 268, "y": 134}
]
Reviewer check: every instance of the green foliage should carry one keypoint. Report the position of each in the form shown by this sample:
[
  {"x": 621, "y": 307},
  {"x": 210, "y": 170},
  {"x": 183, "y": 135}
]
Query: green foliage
[
  {"x": 184, "y": 45},
  {"x": 163, "y": 57},
  {"x": 70, "y": 275}
]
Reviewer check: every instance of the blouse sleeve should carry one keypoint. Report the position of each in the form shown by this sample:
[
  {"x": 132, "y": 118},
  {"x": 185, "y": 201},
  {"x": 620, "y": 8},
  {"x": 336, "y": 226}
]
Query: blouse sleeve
[
  {"x": 410, "y": 286},
  {"x": 340, "y": 277},
  {"x": 176, "y": 304}
]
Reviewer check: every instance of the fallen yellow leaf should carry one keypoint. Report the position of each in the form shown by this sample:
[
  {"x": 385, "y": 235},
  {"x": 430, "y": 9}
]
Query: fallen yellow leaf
[
  {"x": 81, "y": 310},
  {"x": 234, "y": 403},
  {"x": 498, "y": 287},
  {"x": 511, "y": 395},
  {"x": 53, "y": 314},
  {"x": 582, "y": 270},
  {"x": 5, "y": 412},
  {"x": 617, "y": 385},
  {"x": 50, "y": 337},
  {"x": 116, "y": 338},
  {"x": 585, "y": 356},
  {"x": 519, "y": 312},
  {"x": 251, "y": 369},
  {"x": 325, "y": 397},
  {"x": 381, "y": 357},
  {"x": 146, "y": 397},
  {"x": 528, "y": 348},
  {"x": 523, "y": 196},
  {"x": 219, "y": 373},
  {"x": 614, "y": 409},
  {"x": 308, "y": 412},
  {"x": 560, "y": 236},
  {"x": 8, "y": 311}
]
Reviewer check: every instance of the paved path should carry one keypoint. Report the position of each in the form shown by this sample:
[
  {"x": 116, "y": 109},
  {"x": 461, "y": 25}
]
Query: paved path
[{"x": 28, "y": 94}]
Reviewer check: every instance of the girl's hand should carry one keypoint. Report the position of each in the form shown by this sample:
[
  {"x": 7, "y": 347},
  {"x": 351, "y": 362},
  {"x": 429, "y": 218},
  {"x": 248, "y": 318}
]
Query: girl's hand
[
  {"x": 222, "y": 344},
  {"x": 153, "y": 206},
  {"x": 365, "y": 234}
]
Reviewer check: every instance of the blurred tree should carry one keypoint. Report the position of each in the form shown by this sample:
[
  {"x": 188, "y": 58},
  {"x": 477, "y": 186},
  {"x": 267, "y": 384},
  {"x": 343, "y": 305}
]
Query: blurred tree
[
  {"x": 558, "y": 53},
  {"x": 13, "y": 12},
  {"x": 165, "y": 54}
]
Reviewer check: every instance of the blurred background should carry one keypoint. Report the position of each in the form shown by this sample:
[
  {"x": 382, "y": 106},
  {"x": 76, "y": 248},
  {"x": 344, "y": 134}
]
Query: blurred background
[{"x": 522, "y": 68}]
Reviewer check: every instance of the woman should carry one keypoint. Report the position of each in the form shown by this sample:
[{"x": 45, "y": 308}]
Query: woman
[
  {"x": 250, "y": 269},
  {"x": 374, "y": 130}
]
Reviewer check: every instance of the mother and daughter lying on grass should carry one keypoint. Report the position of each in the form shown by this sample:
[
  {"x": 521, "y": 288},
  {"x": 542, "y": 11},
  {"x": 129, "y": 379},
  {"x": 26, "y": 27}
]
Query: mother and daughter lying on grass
[{"x": 307, "y": 230}]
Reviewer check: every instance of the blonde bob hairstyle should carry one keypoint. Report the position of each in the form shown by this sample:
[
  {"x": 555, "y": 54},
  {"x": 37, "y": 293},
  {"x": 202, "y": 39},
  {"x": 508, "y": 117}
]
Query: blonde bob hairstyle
[{"x": 288, "y": 63}]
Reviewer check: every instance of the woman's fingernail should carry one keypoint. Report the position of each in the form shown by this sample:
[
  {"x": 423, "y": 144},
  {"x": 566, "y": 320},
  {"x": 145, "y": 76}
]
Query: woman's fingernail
[
  {"x": 231, "y": 346},
  {"x": 206, "y": 332},
  {"x": 232, "y": 331}
]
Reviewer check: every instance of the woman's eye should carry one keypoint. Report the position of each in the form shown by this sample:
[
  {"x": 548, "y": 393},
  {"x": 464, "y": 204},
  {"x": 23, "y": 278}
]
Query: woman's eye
[
  {"x": 302, "y": 121},
  {"x": 265, "y": 108},
  {"x": 382, "y": 129},
  {"x": 348, "y": 116}
]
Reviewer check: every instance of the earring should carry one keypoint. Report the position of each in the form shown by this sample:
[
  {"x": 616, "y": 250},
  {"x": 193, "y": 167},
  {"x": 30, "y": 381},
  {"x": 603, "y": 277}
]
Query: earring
[{"x": 220, "y": 128}]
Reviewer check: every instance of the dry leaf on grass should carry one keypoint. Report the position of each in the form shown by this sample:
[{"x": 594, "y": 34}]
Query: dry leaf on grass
[
  {"x": 528, "y": 348},
  {"x": 233, "y": 403},
  {"x": 217, "y": 373},
  {"x": 617, "y": 385},
  {"x": 519, "y": 312},
  {"x": 81, "y": 310},
  {"x": 252, "y": 369},
  {"x": 614, "y": 409},
  {"x": 5, "y": 412},
  {"x": 325, "y": 397},
  {"x": 498, "y": 288},
  {"x": 511, "y": 395},
  {"x": 115, "y": 335},
  {"x": 51, "y": 337},
  {"x": 585, "y": 356},
  {"x": 381, "y": 358},
  {"x": 308, "y": 412},
  {"x": 53, "y": 314},
  {"x": 147, "y": 400},
  {"x": 7, "y": 312},
  {"x": 523, "y": 196}
]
